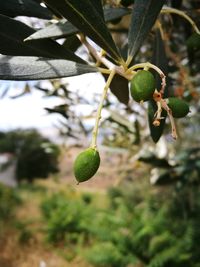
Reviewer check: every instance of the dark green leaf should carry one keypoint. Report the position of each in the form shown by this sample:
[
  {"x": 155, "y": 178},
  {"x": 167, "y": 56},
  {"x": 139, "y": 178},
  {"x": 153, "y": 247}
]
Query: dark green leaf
[
  {"x": 29, "y": 8},
  {"x": 34, "y": 68},
  {"x": 156, "y": 132},
  {"x": 88, "y": 20},
  {"x": 64, "y": 28},
  {"x": 161, "y": 61},
  {"x": 144, "y": 15},
  {"x": 98, "y": 5},
  {"x": 115, "y": 13},
  {"x": 119, "y": 87},
  {"x": 12, "y": 34},
  {"x": 72, "y": 43},
  {"x": 152, "y": 159}
]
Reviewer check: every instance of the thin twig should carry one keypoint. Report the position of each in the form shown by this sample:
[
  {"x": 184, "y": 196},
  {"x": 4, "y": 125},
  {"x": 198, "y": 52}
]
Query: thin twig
[{"x": 98, "y": 115}]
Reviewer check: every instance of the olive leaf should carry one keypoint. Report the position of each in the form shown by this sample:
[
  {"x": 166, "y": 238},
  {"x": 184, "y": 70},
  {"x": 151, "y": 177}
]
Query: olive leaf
[
  {"x": 64, "y": 28},
  {"x": 12, "y": 42},
  {"x": 29, "y": 8},
  {"x": 143, "y": 17},
  {"x": 34, "y": 68},
  {"x": 155, "y": 131},
  {"x": 160, "y": 60},
  {"x": 119, "y": 87},
  {"x": 84, "y": 15}
]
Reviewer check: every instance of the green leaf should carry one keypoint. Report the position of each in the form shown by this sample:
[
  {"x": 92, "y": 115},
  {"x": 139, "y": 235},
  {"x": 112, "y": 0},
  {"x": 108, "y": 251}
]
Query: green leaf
[
  {"x": 87, "y": 19},
  {"x": 119, "y": 87},
  {"x": 99, "y": 7},
  {"x": 13, "y": 33},
  {"x": 111, "y": 14},
  {"x": 143, "y": 17},
  {"x": 29, "y": 8},
  {"x": 57, "y": 30},
  {"x": 35, "y": 68},
  {"x": 64, "y": 28},
  {"x": 72, "y": 43},
  {"x": 156, "y": 132},
  {"x": 161, "y": 61}
]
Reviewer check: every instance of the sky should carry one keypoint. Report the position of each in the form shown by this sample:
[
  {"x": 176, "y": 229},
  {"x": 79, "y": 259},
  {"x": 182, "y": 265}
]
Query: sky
[{"x": 28, "y": 111}]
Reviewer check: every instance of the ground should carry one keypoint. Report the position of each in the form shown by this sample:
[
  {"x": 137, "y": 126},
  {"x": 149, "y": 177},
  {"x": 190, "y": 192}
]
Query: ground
[{"x": 37, "y": 253}]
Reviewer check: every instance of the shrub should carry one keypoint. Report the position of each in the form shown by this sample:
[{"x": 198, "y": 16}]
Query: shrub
[
  {"x": 105, "y": 254},
  {"x": 36, "y": 155},
  {"x": 9, "y": 199},
  {"x": 67, "y": 219}
]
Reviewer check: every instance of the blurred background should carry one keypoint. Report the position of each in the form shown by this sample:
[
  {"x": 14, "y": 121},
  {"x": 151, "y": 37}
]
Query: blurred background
[{"x": 142, "y": 208}]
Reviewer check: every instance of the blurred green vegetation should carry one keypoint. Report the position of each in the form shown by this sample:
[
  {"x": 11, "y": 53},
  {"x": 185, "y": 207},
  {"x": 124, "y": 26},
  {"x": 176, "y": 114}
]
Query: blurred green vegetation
[
  {"x": 36, "y": 156},
  {"x": 134, "y": 224},
  {"x": 9, "y": 200},
  {"x": 138, "y": 225}
]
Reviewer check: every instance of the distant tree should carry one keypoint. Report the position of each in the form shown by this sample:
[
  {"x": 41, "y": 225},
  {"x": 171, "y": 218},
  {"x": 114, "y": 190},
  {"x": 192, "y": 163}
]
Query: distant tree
[{"x": 36, "y": 156}]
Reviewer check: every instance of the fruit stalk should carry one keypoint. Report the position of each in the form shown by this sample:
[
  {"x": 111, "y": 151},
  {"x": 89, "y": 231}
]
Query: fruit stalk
[
  {"x": 151, "y": 66},
  {"x": 98, "y": 115},
  {"x": 100, "y": 58},
  {"x": 167, "y": 10}
]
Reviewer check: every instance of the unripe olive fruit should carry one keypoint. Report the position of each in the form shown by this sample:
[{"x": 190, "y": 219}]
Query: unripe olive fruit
[
  {"x": 86, "y": 164},
  {"x": 142, "y": 86},
  {"x": 179, "y": 107}
]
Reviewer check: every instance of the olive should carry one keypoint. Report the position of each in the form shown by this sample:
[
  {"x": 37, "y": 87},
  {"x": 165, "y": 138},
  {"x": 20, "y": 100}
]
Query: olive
[
  {"x": 86, "y": 164},
  {"x": 142, "y": 86}
]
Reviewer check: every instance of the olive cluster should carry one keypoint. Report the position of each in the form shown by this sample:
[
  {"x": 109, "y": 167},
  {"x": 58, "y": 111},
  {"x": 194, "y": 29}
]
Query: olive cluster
[{"x": 142, "y": 88}]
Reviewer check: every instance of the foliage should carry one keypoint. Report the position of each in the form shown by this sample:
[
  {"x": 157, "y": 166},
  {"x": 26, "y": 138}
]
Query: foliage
[
  {"x": 37, "y": 55},
  {"x": 67, "y": 219},
  {"x": 138, "y": 226},
  {"x": 183, "y": 169},
  {"x": 9, "y": 199},
  {"x": 105, "y": 254},
  {"x": 36, "y": 156},
  {"x": 55, "y": 60}
]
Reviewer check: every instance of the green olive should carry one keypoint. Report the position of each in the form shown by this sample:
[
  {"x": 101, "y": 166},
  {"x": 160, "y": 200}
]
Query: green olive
[
  {"x": 178, "y": 106},
  {"x": 86, "y": 164},
  {"x": 142, "y": 86}
]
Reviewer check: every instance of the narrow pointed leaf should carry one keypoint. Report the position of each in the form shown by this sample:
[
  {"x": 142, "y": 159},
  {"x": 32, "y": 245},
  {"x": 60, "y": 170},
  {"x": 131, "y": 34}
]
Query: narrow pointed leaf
[
  {"x": 99, "y": 7},
  {"x": 57, "y": 30},
  {"x": 155, "y": 132},
  {"x": 34, "y": 68},
  {"x": 144, "y": 15},
  {"x": 87, "y": 19},
  {"x": 160, "y": 60},
  {"x": 72, "y": 43},
  {"x": 29, "y": 8},
  {"x": 13, "y": 33},
  {"x": 119, "y": 87},
  {"x": 64, "y": 28}
]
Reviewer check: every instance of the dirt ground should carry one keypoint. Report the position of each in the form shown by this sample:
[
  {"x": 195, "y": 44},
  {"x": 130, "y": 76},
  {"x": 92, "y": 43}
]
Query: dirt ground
[{"x": 112, "y": 171}]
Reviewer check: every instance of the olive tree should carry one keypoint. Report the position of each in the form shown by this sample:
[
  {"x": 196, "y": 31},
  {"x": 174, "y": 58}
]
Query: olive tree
[{"x": 29, "y": 54}]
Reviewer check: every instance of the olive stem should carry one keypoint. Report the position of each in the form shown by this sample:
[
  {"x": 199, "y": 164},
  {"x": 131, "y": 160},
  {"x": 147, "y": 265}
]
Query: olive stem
[
  {"x": 169, "y": 112},
  {"x": 100, "y": 58},
  {"x": 152, "y": 66},
  {"x": 98, "y": 115},
  {"x": 167, "y": 10}
]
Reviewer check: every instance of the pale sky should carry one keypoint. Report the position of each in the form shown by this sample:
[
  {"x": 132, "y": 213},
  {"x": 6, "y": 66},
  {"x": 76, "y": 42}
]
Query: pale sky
[{"x": 28, "y": 111}]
